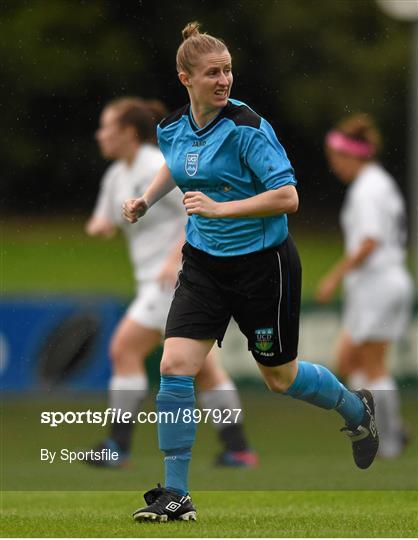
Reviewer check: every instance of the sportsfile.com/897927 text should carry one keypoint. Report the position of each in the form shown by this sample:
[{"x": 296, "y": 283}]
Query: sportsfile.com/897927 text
[{"x": 113, "y": 416}]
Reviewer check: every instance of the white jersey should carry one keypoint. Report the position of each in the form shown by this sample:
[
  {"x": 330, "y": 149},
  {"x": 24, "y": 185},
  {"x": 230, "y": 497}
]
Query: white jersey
[
  {"x": 374, "y": 208},
  {"x": 151, "y": 239},
  {"x": 378, "y": 294}
]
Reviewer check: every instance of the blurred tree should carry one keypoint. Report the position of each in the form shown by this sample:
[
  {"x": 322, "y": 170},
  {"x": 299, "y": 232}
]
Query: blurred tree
[
  {"x": 301, "y": 64},
  {"x": 59, "y": 60}
]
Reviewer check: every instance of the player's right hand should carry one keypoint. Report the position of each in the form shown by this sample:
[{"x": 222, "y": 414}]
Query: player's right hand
[
  {"x": 326, "y": 289},
  {"x": 97, "y": 226},
  {"x": 133, "y": 209}
]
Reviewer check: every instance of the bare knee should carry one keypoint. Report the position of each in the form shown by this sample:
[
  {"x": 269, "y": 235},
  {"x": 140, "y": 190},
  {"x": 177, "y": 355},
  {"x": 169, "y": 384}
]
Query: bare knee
[
  {"x": 170, "y": 365},
  {"x": 124, "y": 357},
  {"x": 130, "y": 345},
  {"x": 278, "y": 384},
  {"x": 279, "y": 378},
  {"x": 212, "y": 373},
  {"x": 347, "y": 355},
  {"x": 178, "y": 362},
  {"x": 116, "y": 350},
  {"x": 184, "y": 356},
  {"x": 372, "y": 356}
]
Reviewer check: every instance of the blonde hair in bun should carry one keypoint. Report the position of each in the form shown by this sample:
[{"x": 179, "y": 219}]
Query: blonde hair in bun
[{"x": 194, "y": 45}]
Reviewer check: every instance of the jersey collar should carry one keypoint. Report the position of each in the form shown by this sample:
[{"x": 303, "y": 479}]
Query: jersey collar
[{"x": 201, "y": 131}]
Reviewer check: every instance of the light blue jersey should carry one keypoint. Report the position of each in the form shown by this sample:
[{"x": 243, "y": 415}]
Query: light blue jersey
[{"x": 234, "y": 157}]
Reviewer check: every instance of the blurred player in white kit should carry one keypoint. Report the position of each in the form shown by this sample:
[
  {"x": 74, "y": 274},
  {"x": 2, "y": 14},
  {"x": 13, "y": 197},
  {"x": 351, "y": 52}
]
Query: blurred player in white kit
[
  {"x": 126, "y": 134},
  {"x": 378, "y": 290}
]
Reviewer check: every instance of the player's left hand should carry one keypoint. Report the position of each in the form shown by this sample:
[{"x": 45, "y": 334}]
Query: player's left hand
[
  {"x": 196, "y": 202},
  {"x": 326, "y": 288},
  {"x": 168, "y": 276}
]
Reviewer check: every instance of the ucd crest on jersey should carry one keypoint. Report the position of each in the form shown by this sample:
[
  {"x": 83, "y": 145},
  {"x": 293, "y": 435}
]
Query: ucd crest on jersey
[{"x": 192, "y": 161}]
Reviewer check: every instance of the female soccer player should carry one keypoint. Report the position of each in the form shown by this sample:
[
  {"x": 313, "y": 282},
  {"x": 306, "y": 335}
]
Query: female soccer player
[
  {"x": 377, "y": 286},
  {"x": 126, "y": 126},
  {"x": 238, "y": 261}
]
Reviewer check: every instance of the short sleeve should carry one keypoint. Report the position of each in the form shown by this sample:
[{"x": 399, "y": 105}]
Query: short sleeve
[
  {"x": 165, "y": 139},
  {"x": 104, "y": 206},
  {"x": 159, "y": 135},
  {"x": 266, "y": 157},
  {"x": 369, "y": 219}
]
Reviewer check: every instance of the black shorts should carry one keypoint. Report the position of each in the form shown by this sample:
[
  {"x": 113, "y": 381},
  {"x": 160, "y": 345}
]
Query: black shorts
[{"x": 261, "y": 291}]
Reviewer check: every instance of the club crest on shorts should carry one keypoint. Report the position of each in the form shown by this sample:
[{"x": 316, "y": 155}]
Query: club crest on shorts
[
  {"x": 264, "y": 339},
  {"x": 191, "y": 164}
]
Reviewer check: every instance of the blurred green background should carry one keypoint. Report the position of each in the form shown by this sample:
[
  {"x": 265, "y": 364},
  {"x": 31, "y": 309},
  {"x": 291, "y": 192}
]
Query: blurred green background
[
  {"x": 303, "y": 65},
  {"x": 55, "y": 255}
]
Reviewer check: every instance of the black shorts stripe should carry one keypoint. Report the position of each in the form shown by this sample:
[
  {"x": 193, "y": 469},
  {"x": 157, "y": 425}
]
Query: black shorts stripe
[{"x": 280, "y": 301}]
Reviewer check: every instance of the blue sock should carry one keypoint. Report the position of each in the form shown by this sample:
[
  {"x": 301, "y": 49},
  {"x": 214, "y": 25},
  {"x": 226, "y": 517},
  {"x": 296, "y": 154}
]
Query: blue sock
[
  {"x": 317, "y": 385},
  {"x": 176, "y": 435}
]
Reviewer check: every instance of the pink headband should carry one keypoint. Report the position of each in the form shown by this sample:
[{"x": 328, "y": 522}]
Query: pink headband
[{"x": 343, "y": 143}]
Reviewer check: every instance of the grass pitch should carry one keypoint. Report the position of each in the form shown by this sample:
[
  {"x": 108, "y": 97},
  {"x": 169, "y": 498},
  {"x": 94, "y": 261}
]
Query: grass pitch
[
  {"x": 314, "y": 489},
  {"x": 220, "y": 514}
]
